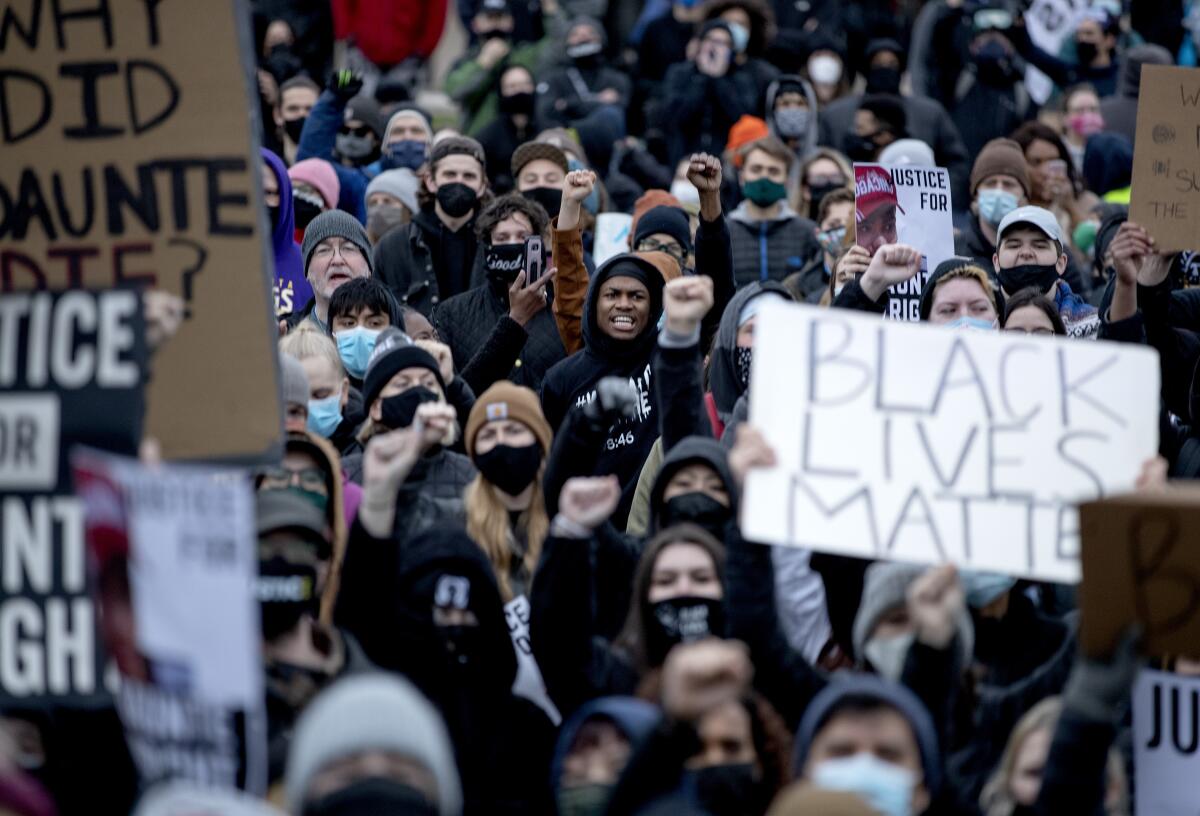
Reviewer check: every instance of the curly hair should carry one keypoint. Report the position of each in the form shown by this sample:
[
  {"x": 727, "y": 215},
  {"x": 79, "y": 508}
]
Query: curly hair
[
  {"x": 506, "y": 206},
  {"x": 762, "y": 21}
]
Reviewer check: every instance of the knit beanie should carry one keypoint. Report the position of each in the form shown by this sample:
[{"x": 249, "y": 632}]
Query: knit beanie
[
  {"x": 505, "y": 400},
  {"x": 745, "y": 130},
  {"x": 335, "y": 224},
  {"x": 408, "y": 113},
  {"x": 364, "y": 712},
  {"x": 320, "y": 175},
  {"x": 393, "y": 353},
  {"x": 366, "y": 110},
  {"x": 457, "y": 146},
  {"x": 295, "y": 381},
  {"x": 1000, "y": 157},
  {"x": 647, "y": 202},
  {"x": 668, "y": 220},
  {"x": 532, "y": 151},
  {"x": 401, "y": 183}
]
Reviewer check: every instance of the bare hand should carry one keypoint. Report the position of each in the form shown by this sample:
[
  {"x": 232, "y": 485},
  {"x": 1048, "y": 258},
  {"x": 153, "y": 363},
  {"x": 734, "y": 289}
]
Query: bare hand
[
  {"x": 704, "y": 172},
  {"x": 936, "y": 602},
  {"x": 1153, "y": 477},
  {"x": 589, "y": 501},
  {"x": 698, "y": 677},
  {"x": 854, "y": 262},
  {"x": 164, "y": 314},
  {"x": 609, "y": 96},
  {"x": 892, "y": 264},
  {"x": 750, "y": 450},
  {"x": 492, "y": 52},
  {"x": 578, "y": 185},
  {"x": 389, "y": 458},
  {"x": 686, "y": 301},
  {"x": 1130, "y": 247},
  {"x": 524, "y": 302},
  {"x": 441, "y": 353},
  {"x": 435, "y": 422}
]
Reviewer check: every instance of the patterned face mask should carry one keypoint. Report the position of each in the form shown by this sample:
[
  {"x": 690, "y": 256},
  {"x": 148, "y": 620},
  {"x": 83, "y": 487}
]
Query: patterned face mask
[{"x": 741, "y": 359}]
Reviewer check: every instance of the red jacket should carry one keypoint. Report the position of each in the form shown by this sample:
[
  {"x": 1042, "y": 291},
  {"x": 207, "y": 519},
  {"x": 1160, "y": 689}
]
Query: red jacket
[{"x": 390, "y": 31}]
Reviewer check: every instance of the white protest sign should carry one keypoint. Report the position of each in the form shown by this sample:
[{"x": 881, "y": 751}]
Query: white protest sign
[
  {"x": 611, "y": 236},
  {"x": 907, "y": 205},
  {"x": 529, "y": 683},
  {"x": 1166, "y": 739},
  {"x": 925, "y": 444},
  {"x": 1049, "y": 23}
]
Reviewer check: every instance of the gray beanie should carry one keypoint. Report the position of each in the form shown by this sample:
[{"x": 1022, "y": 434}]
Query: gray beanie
[
  {"x": 295, "y": 380},
  {"x": 885, "y": 586},
  {"x": 367, "y": 712},
  {"x": 401, "y": 183},
  {"x": 335, "y": 224}
]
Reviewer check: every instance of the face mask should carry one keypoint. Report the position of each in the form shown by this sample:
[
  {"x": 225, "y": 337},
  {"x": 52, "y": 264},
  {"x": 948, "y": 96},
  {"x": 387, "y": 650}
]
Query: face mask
[
  {"x": 1039, "y": 276},
  {"x": 510, "y": 469},
  {"x": 993, "y": 63},
  {"x": 741, "y": 37},
  {"x": 764, "y": 192},
  {"x": 585, "y": 55},
  {"x": 548, "y": 197},
  {"x": 354, "y": 148},
  {"x": 982, "y": 588},
  {"x": 1086, "y": 124},
  {"x": 409, "y": 153},
  {"x": 683, "y": 190},
  {"x": 861, "y": 148},
  {"x": 792, "y": 122},
  {"x": 995, "y": 204},
  {"x": 970, "y": 323},
  {"x": 887, "y": 655},
  {"x": 294, "y": 127},
  {"x": 373, "y": 795},
  {"x": 886, "y": 787},
  {"x": 681, "y": 620},
  {"x": 696, "y": 508},
  {"x": 1086, "y": 52},
  {"x": 831, "y": 240},
  {"x": 463, "y": 643},
  {"x": 383, "y": 219},
  {"x": 584, "y": 800},
  {"x": 1084, "y": 237},
  {"x": 355, "y": 347},
  {"x": 818, "y": 191},
  {"x": 503, "y": 262},
  {"x": 399, "y": 410},
  {"x": 725, "y": 790},
  {"x": 742, "y": 357},
  {"x": 286, "y": 592},
  {"x": 273, "y": 214},
  {"x": 518, "y": 103},
  {"x": 825, "y": 69},
  {"x": 305, "y": 210},
  {"x": 457, "y": 199},
  {"x": 324, "y": 415},
  {"x": 883, "y": 80}
]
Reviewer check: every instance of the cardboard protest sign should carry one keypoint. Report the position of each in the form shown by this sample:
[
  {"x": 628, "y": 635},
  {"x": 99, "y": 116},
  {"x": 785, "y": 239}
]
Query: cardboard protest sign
[
  {"x": 529, "y": 683},
  {"x": 1166, "y": 736},
  {"x": 175, "y": 554},
  {"x": 72, "y": 367},
  {"x": 129, "y": 158},
  {"x": 925, "y": 444},
  {"x": 907, "y": 205},
  {"x": 1165, "y": 197},
  {"x": 1141, "y": 564}
]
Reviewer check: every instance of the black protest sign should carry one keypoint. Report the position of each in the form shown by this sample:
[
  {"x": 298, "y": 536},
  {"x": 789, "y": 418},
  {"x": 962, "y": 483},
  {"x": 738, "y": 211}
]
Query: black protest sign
[
  {"x": 72, "y": 368},
  {"x": 129, "y": 158}
]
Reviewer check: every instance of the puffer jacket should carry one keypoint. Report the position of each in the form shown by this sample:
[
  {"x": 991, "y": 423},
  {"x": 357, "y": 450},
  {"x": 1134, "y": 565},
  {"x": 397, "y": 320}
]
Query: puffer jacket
[
  {"x": 770, "y": 250},
  {"x": 432, "y": 493}
]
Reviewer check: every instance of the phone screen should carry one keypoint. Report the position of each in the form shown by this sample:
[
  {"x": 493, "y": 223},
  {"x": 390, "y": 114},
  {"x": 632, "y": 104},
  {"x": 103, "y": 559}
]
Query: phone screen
[{"x": 535, "y": 258}]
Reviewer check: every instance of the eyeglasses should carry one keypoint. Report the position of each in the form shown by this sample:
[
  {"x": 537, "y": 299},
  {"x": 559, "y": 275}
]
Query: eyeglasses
[
  {"x": 361, "y": 130},
  {"x": 674, "y": 250},
  {"x": 310, "y": 479},
  {"x": 347, "y": 250}
]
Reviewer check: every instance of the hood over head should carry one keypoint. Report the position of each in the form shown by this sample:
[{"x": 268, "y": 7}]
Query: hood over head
[
  {"x": 599, "y": 343},
  {"x": 722, "y": 372},
  {"x": 289, "y": 263},
  {"x": 791, "y": 82},
  {"x": 692, "y": 450},
  {"x": 633, "y": 717}
]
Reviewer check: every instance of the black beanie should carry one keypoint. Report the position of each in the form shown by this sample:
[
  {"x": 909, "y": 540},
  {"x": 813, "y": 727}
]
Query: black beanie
[
  {"x": 394, "y": 352},
  {"x": 667, "y": 220}
]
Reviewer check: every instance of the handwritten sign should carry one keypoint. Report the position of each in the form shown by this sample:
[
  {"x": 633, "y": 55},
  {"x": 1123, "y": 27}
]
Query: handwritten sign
[
  {"x": 907, "y": 205},
  {"x": 129, "y": 158},
  {"x": 917, "y": 443},
  {"x": 1166, "y": 743},
  {"x": 1141, "y": 563},
  {"x": 1165, "y": 197}
]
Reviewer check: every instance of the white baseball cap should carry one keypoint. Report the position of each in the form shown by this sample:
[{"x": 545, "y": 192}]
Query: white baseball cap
[{"x": 1037, "y": 217}]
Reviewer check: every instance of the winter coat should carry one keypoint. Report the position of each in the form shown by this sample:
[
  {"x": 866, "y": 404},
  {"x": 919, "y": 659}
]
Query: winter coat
[
  {"x": 770, "y": 250},
  {"x": 722, "y": 367},
  {"x": 500, "y": 138},
  {"x": 808, "y": 143},
  {"x": 476, "y": 89},
  {"x": 387, "y": 32},
  {"x": 292, "y": 292},
  {"x": 317, "y": 141},
  {"x": 699, "y": 109},
  {"x": 431, "y": 494},
  {"x": 404, "y": 260}
]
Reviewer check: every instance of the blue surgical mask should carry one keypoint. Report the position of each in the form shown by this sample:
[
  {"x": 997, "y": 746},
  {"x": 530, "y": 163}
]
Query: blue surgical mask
[
  {"x": 970, "y": 323},
  {"x": 995, "y": 204},
  {"x": 982, "y": 588},
  {"x": 886, "y": 787},
  {"x": 741, "y": 37},
  {"x": 324, "y": 415},
  {"x": 355, "y": 347}
]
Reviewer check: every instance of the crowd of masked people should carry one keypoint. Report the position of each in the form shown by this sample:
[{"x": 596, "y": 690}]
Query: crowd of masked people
[{"x": 513, "y": 469}]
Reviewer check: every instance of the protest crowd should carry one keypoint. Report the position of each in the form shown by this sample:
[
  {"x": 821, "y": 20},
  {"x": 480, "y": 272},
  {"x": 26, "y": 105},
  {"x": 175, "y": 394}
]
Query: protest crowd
[{"x": 506, "y": 557}]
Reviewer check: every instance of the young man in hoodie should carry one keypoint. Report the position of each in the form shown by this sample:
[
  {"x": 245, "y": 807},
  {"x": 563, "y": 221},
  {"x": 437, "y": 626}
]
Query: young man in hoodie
[{"x": 770, "y": 241}]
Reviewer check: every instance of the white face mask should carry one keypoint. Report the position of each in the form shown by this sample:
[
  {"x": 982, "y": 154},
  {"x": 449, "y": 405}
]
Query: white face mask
[
  {"x": 825, "y": 69},
  {"x": 887, "y": 655},
  {"x": 685, "y": 192}
]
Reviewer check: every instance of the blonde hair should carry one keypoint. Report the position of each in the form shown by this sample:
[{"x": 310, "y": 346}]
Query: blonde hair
[
  {"x": 967, "y": 271},
  {"x": 306, "y": 342},
  {"x": 488, "y": 526}
]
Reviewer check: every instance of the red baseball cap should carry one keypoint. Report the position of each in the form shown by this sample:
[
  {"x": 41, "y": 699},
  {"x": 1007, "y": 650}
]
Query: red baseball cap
[{"x": 873, "y": 188}]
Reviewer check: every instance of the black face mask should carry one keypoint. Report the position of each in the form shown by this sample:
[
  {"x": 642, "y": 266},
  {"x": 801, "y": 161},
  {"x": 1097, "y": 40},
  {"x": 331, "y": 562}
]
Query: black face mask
[
  {"x": 726, "y": 790},
  {"x": 681, "y": 620},
  {"x": 457, "y": 199},
  {"x": 503, "y": 262},
  {"x": 273, "y": 214},
  {"x": 696, "y": 508},
  {"x": 882, "y": 80},
  {"x": 1086, "y": 52},
  {"x": 294, "y": 127},
  {"x": 399, "y": 410},
  {"x": 548, "y": 197},
  {"x": 463, "y": 643},
  {"x": 371, "y": 797},
  {"x": 286, "y": 592},
  {"x": 305, "y": 211},
  {"x": 518, "y": 103},
  {"x": 816, "y": 192},
  {"x": 861, "y": 148},
  {"x": 993, "y": 64},
  {"x": 510, "y": 469},
  {"x": 1039, "y": 276}
]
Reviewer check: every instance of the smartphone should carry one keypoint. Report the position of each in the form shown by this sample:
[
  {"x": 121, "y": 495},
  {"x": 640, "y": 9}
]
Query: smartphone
[
  {"x": 535, "y": 259},
  {"x": 1056, "y": 168}
]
